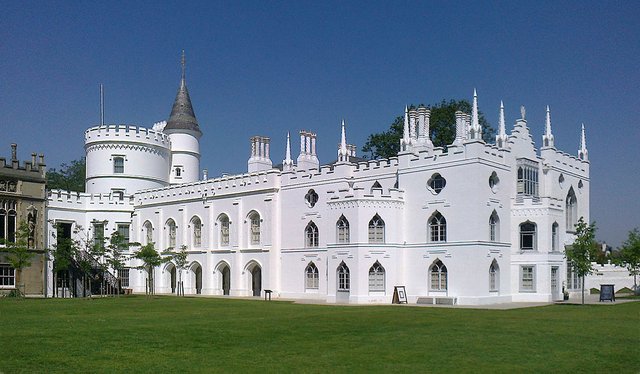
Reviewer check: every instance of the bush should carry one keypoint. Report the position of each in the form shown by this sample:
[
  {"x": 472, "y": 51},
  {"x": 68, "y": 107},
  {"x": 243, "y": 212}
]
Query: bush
[{"x": 624, "y": 290}]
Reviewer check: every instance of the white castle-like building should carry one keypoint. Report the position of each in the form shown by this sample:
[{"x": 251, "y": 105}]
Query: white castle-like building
[{"x": 472, "y": 224}]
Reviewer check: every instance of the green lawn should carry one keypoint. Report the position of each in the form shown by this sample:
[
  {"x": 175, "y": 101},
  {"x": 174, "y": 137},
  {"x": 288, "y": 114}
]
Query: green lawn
[{"x": 168, "y": 334}]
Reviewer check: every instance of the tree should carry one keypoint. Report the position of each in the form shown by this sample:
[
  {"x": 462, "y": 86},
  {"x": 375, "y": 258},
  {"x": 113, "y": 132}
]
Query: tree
[
  {"x": 19, "y": 254},
  {"x": 150, "y": 260},
  {"x": 442, "y": 129},
  {"x": 63, "y": 253},
  {"x": 69, "y": 178},
  {"x": 583, "y": 251},
  {"x": 180, "y": 259},
  {"x": 115, "y": 258},
  {"x": 629, "y": 256}
]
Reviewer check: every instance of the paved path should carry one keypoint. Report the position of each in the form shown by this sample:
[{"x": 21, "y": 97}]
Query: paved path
[{"x": 588, "y": 299}]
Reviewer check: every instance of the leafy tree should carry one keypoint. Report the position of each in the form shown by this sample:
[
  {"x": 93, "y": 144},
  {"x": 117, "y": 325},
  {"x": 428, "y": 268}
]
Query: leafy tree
[
  {"x": 583, "y": 251},
  {"x": 442, "y": 129},
  {"x": 70, "y": 177},
  {"x": 629, "y": 256},
  {"x": 63, "y": 252},
  {"x": 116, "y": 248},
  {"x": 19, "y": 255},
  {"x": 150, "y": 260}
]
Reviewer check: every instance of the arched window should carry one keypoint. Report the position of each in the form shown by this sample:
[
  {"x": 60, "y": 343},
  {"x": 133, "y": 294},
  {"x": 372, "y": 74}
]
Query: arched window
[
  {"x": 437, "y": 228},
  {"x": 196, "y": 224},
  {"x": 311, "y": 278},
  {"x": 494, "y": 227},
  {"x": 571, "y": 210},
  {"x": 527, "y": 236},
  {"x": 148, "y": 232},
  {"x": 376, "y": 277},
  {"x": 343, "y": 277},
  {"x": 555, "y": 242},
  {"x": 171, "y": 233},
  {"x": 224, "y": 230},
  {"x": 376, "y": 230},
  {"x": 11, "y": 226},
  {"x": 8, "y": 223},
  {"x": 311, "y": 235},
  {"x": 254, "y": 229},
  {"x": 494, "y": 276},
  {"x": 438, "y": 274},
  {"x": 342, "y": 227},
  {"x": 3, "y": 224}
]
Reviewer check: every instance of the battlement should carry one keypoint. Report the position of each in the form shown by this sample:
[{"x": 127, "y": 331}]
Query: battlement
[
  {"x": 32, "y": 169},
  {"x": 361, "y": 193},
  {"x": 36, "y": 168},
  {"x": 126, "y": 133},
  {"x": 225, "y": 185},
  {"x": 564, "y": 161},
  {"x": 88, "y": 201}
]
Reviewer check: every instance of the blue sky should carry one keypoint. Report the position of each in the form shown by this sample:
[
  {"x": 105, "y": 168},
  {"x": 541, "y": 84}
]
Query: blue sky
[{"x": 268, "y": 67}]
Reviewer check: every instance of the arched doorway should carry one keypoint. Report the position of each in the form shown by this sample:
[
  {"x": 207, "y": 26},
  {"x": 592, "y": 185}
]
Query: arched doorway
[
  {"x": 256, "y": 280},
  {"x": 169, "y": 281},
  {"x": 196, "y": 278},
  {"x": 223, "y": 278}
]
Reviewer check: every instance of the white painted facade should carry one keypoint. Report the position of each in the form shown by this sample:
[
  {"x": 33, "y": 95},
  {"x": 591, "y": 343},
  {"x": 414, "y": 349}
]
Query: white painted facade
[{"x": 466, "y": 240}]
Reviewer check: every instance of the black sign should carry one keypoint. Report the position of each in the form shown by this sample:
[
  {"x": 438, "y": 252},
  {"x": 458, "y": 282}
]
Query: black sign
[{"x": 607, "y": 292}]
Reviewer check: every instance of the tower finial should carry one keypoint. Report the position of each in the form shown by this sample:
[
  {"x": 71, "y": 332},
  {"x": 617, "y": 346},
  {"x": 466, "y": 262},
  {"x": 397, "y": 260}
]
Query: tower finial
[
  {"x": 501, "y": 138},
  {"x": 183, "y": 62},
  {"x": 406, "y": 136},
  {"x": 547, "y": 138},
  {"x": 343, "y": 154},
  {"x": 287, "y": 164},
  {"x": 583, "y": 154},
  {"x": 475, "y": 120}
]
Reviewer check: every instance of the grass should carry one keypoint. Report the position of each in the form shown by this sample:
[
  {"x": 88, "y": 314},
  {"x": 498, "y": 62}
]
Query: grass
[{"x": 168, "y": 334}]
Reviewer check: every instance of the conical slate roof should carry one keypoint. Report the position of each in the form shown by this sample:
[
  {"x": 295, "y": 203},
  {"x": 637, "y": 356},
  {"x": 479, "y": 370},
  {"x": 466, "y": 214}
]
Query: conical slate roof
[{"x": 182, "y": 116}]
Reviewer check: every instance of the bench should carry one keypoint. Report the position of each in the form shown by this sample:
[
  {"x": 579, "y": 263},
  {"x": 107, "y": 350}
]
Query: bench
[{"x": 437, "y": 300}]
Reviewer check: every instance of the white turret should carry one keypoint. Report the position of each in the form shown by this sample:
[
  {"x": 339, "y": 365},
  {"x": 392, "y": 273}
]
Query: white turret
[
  {"x": 501, "y": 138},
  {"x": 547, "y": 138},
  {"x": 583, "y": 154},
  {"x": 184, "y": 132}
]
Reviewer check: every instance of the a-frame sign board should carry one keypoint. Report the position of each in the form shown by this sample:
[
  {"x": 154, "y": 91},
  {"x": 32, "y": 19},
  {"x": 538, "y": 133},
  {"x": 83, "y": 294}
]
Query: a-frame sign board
[{"x": 399, "y": 295}]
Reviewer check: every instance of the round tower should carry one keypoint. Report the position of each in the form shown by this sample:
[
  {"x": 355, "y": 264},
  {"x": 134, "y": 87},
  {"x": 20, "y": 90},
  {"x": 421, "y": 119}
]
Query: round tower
[
  {"x": 123, "y": 159},
  {"x": 184, "y": 133}
]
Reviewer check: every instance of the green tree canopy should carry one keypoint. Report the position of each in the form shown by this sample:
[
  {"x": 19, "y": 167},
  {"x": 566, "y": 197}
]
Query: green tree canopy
[
  {"x": 629, "y": 256},
  {"x": 583, "y": 251},
  {"x": 442, "y": 129},
  {"x": 19, "y": 254},
  {"x": 150, "y": 260},
  {"x": 70, "y": 177}
]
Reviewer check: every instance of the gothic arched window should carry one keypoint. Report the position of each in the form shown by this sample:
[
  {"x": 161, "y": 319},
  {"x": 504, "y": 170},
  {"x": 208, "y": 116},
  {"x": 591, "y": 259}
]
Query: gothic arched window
[{"x": 311, "y": 235}]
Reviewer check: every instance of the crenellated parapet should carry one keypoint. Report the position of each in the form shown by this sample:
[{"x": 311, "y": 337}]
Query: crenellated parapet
[
  {"x": 125, "y": 134},
  {"x": 212, "y": 188},
  {"x": 359, "y": 197},
  {"x": 89, "y": 201}
]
